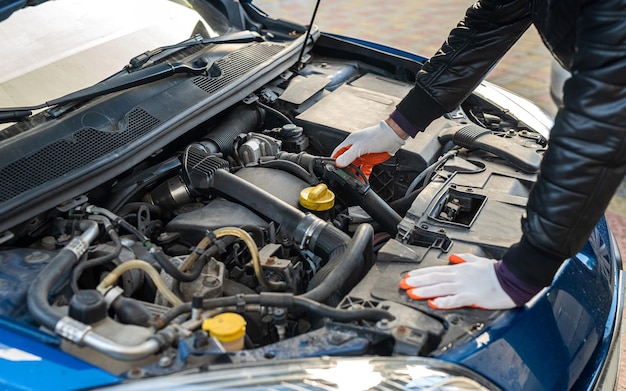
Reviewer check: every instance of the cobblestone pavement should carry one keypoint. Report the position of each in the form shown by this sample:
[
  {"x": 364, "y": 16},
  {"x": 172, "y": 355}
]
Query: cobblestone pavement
[{"x": 421, "y": 27}]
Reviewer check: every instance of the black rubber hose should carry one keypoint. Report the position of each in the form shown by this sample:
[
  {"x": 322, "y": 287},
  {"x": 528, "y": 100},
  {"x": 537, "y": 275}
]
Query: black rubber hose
[
  {"x": 377, "y": 208},
  {"x": 285, "y": 300},
  {"x": 371, "y": 314},
  {"x": 325, "y": 239},
  {"x": 332, "y": 244},
  {"x": 195, "y": 272},
  {"x": 37, "y": 299},
  {"x": 260, "y": 201},
  {"x": 371, "y": 202},
  {"x": 311, "y": 163},
  {"x": 81, "y": 267},
  {"x": 178, "y": 275},
  {"x": 320, "y": 237},
  {"x": 292, "y": 168},
  {"x": 233, "y": 288},
  {"x": 402, "y": 205},
  {"x": 317, "y": 235},
  {"x": 55, "y": 270},
  {"x": 133, "y": 207},
  {"x": 346, "y": 270}
]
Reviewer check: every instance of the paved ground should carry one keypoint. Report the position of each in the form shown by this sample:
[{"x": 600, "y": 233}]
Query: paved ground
[{"x": 420, "y": 27}]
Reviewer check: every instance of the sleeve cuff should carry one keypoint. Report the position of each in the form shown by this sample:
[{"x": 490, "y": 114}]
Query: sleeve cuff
[
  {"x": 531, "y": 265},
  {"x": 417, "y": 110},
  {"x": 519, "y": 291}
]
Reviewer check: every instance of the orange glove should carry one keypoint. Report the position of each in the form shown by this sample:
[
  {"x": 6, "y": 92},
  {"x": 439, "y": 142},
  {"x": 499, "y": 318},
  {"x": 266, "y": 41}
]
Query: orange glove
[
  {"x": 470, "y": 281},
  {"x": 368, "y": 147},
  {"x": 367, "y": 162}
]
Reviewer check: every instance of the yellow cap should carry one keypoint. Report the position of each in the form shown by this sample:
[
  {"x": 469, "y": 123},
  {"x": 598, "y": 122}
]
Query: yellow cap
[
  {"x": 225, "y": 327},
  {"x": 317, "y": 198}
]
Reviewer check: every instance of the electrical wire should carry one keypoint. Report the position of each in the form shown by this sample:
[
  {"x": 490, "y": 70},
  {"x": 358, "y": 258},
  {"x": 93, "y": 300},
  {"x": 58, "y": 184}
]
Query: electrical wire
[
  {"x": 424, "y": 176},
  {"x": 276, "y": 112}
]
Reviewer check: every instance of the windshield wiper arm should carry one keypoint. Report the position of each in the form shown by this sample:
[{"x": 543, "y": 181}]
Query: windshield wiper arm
[
  {"x": 237, "y": 37},
  {"x": 136, "y": 76},
  {"x": 134, "y": 79}
]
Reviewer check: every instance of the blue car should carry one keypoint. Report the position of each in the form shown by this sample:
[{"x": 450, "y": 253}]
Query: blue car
[{"x": 172, "y": 220}]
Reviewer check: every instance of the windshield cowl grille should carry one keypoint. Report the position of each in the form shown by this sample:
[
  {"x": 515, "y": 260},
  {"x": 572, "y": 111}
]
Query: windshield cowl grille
[
  {"x": 63, "y": 156},
  {"x": 236, "y": 64}
]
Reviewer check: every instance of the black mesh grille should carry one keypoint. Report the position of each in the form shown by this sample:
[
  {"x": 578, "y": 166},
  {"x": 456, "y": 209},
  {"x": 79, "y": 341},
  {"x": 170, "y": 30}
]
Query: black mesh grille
[
  {"x": 383, "y": 184},
  {"x": 236, "y": 64},
  {"x": 63, "y": 156},
  {"x": 88, "y": 145}
]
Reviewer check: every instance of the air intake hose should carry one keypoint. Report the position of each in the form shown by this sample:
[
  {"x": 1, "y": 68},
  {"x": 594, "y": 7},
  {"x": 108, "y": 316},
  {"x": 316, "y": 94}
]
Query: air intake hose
[
  {"x": 242, "y": 119},
  {"x": 204, "y": 173}
]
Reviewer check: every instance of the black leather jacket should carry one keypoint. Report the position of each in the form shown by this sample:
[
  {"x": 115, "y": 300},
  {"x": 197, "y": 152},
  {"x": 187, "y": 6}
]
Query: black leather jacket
[{"x": 586, "y": 158}]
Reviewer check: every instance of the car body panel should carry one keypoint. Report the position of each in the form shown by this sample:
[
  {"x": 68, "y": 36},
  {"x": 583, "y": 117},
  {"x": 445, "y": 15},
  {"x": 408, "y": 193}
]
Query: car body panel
[
  {"x": 27, "y": 364},
  {"x": 574, "y": 329}
]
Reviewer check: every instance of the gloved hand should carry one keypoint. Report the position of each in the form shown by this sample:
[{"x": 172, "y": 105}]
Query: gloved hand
[
  {"x": 470, "y": 281},
  {"x": 368, "y": 147}
]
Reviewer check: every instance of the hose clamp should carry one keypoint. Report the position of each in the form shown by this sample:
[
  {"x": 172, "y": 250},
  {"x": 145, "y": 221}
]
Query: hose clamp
[
  {"x": 112, "y": 294},
  {"x": 72, "y": 330},
  {"x": 240, "y": 305},
  {"x": 77, "y": 246},
  {"x": 312, "y": 226}
]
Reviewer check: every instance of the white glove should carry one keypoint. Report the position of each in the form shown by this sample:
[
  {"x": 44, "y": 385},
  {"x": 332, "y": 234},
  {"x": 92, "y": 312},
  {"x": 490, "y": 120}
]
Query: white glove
[
  {"x": 470, "y": 282},
  {"x": 379, "y": 138}
]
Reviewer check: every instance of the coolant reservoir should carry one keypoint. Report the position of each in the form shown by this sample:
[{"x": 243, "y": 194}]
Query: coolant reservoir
[
  {"x": 317, "y": 198},
  {"x": 229, "y": 328}
]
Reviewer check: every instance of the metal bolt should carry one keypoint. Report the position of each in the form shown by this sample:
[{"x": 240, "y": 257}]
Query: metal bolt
[
  {"x": 335, "y": 339},
  {"x": 165, "y": 361},
  {"x": 36, "y": 257},
  {"x": 383, "y": 324},
  {"x": 49, "y": 242},
  {"x": 210, "y": 281},
  {"x": 135, "y": 373}
]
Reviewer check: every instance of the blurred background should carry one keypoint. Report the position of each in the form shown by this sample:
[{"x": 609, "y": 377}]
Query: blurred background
[{"x": 421, "y": 27}]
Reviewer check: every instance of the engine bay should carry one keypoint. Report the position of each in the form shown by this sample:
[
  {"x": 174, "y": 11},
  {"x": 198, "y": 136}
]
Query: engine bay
[{"x": 242, "y": 241}]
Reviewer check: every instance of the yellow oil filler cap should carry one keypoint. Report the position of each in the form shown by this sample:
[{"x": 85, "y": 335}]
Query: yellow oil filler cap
[
  {"x": 317, "y": 198},
  {"x": 229, "y": 328}
]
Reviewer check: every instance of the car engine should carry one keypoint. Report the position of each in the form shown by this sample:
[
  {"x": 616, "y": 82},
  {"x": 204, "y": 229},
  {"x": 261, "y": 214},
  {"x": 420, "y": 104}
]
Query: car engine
[{"x": 242, "y": 241}]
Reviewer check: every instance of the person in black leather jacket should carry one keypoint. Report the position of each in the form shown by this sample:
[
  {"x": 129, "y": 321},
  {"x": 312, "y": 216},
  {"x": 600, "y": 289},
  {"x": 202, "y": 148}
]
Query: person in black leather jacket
[{"x": 581, "y": 169}]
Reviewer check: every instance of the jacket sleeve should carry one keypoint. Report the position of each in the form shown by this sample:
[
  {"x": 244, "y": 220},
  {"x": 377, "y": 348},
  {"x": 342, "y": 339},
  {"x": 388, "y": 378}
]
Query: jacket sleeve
[
  {"x": 586, "y": 158},
  {"x": 472, "y": 49}
]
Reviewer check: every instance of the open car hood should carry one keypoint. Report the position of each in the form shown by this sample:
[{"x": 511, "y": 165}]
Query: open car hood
[{"x": 193, "y": 226}]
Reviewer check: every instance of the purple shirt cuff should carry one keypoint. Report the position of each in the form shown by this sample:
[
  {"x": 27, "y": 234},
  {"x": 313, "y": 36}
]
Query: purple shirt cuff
[
  {"x": 519, "y": 291},
  {"x": 403, "y": 123}
]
